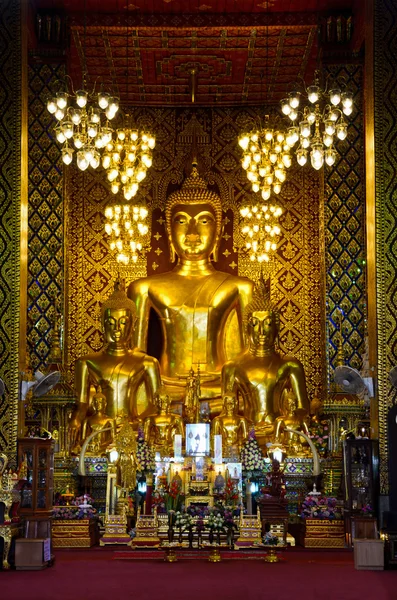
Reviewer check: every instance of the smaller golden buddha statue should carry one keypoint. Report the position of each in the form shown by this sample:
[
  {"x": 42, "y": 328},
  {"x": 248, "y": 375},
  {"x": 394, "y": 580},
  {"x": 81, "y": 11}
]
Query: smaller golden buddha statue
[
  {"x": 231, "y": 426},
  {"x": 176, "y": 481},
  {"x": 125, "y": 444},
  {"x": 129, "y": 378},
  {"x": 260, "y": 373},
  {"x": 159, "y": 429},
  {"x": 192, "y": 398},
  {"x": 290, "y": 419},
  {"x": 98, "y": 422}
]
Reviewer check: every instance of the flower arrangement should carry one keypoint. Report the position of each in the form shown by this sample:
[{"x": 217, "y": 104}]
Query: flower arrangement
[
  {"x": 183, "y": 521},
  {"x": 145, "y": 456},
  {"x": 230, "y": 494},
  {"x": 216, "y": 522},
  {"x": 269, "y": 539},
  {"x": 319, "y": 433},
  {"x": 73, "y": 512},
  {"x": 367, "y": 510},
  {"x": 320, "y": 507},
  {"x": 251, "y": 455},
  {"x": 174, "y": 496}
]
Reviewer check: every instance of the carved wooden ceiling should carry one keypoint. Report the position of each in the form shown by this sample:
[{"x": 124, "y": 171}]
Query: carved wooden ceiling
[{"x": 244, "y": 51}]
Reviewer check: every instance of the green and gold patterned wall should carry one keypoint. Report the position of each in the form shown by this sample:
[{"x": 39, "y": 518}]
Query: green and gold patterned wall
[
  {"x": 46, "y": 218},
  {"x": 385, "y": 73},
  {"x": 10, "y": 215},
  {"x": 344, "y": 230}
]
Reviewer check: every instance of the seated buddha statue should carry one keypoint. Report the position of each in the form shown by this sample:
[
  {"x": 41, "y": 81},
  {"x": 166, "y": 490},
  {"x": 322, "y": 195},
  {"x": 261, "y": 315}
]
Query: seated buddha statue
[
  {"x": 97, "y": 422},
  {"x": 291, "y": 419},
  {"x": 160, "y": 429},
  {"x": 259, "y": 373},
  {"x": 129, "y": 378},
  {"x": 231, "y": 426},
  {"x": 200, "y": 309}
]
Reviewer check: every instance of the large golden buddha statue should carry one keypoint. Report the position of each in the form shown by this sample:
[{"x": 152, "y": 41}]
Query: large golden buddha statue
[
  {"x": 200, "y": 309},
  {"x": 129, "y": 378},
  {"x": 259, "y": 373}
]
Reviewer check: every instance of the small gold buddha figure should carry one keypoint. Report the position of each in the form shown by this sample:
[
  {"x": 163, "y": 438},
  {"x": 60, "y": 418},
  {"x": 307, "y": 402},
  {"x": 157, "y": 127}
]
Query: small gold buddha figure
[
  {"x": 290, "y": 418},
  {"x": 129, "y": 378},
  {"x": 200, "y": 309},
  {"x": 231, "y": 426},
  {"x": 160, "y": 429},
  {"x": 97, "y": 422},
  {"x": 259, "y": 373},
  {"x": 192, "y": 397}
]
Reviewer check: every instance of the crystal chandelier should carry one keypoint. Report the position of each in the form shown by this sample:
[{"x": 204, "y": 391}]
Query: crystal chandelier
[
  {"x": 127, "y": 228},
  {"x": 318, "y": 123},
  {"x": 85, "y": 126},
  {"x": 260, "y": 230},
  {"x": 267, "y": 156},
  {"x": 127, "y": 159}
]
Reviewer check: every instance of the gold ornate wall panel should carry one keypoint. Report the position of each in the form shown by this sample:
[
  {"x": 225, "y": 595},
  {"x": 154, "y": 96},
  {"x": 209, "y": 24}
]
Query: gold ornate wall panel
[
  {"x": 10, "y": 211},
  {"x": 344, "y": 224},
  {"x": 296, "y": 283},
  {"x": 385, "y": 73},
  {"x": 46, "y": 214}
]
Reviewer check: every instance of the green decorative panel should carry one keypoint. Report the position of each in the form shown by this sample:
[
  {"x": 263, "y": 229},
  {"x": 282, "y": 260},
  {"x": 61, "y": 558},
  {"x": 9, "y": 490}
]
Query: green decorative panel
[
  {"x": 386, "y": 210},
  {"x": 10, "y": 206},
  {"x": 344, "y": 224},
  {"x": 45, "y": 257}
]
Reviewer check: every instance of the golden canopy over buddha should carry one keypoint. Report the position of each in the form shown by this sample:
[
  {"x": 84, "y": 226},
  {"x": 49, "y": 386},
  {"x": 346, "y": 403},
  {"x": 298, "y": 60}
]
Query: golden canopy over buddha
[
  {"x": 259, "y": 373},
  {"x": 129, "y": 378},
  {"x": 200, "y": 309}
]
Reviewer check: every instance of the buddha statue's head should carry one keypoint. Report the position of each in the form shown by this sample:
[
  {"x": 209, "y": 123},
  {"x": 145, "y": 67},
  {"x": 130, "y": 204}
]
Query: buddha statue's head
[
  {"x": 193, "y": 220},
  {"x": 118, "y": 317},
  {"x": 162, "y": 400},
  {"x": 262, "y": 320},
  {"x": 230, "y": 404}
]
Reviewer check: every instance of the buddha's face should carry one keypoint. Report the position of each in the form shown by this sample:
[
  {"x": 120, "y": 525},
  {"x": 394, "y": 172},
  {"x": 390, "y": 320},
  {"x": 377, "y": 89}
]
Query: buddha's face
[
  {"x": 193, "y": 230},
  {"x": 164, "y": 402},
  {"x": 262, "y": 329},
  {"x": 117, "y": 325},
  {"x": 229, "y": 404}
]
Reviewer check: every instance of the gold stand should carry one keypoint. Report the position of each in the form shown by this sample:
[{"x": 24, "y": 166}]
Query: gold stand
[
  {"x": 215, "y": 555},
  {"x": 170, "y": 555},
  {"x": 271, "y": 556}
]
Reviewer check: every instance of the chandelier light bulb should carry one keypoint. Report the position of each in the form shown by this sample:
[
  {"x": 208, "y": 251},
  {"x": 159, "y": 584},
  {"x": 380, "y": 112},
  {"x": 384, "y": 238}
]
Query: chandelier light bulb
[
  {"x": 329, "y": 126},
  {"x": 305, "y": 142},
  {"x": 62, "y": 100},
  {"x": 95, "y": 160},
  {"x": 81, "y": 98},
  {"x": 347, "y": 99},
  {"x": 328, "y": 140},
  {"x": 330, "y": 156},
  {"x": 287, "y": 161},
  {"x": 347, "y": 110},
  {"x": 67, "y": 129},
  {"x": 92, "y": 129},
  {"x": 301, "y": 156},
  {"x": 341, "y": 130},
  {"x": 82, "y": 161},
  {"x": 317, "y": 156},
  {"x": 313, "y": 93},
  {"x": 304, "y": 127},
  {"x": 285, "y": 107},
  {"x": 115, "y": 188},
  {"x": 255, "y": 187},
  {"x": 114, "y": 104},
  {"x": 335, "y": 96},
  {"x": 103, "y": 100},
  {"x": 293, "y": 99},
  {"x": 52, "y": 106},
  {"x": 310, "y": 117},
  {"x": 59, "y": 114},
  {"x": 266, "y": 191},
  {"x": 293, "y": 115},
  {"x": 60, "y": 135},
  {"x": 277, "y": 187},
  {"x": 67, "y": 155},
  {"x": 244, "y": 142}
]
